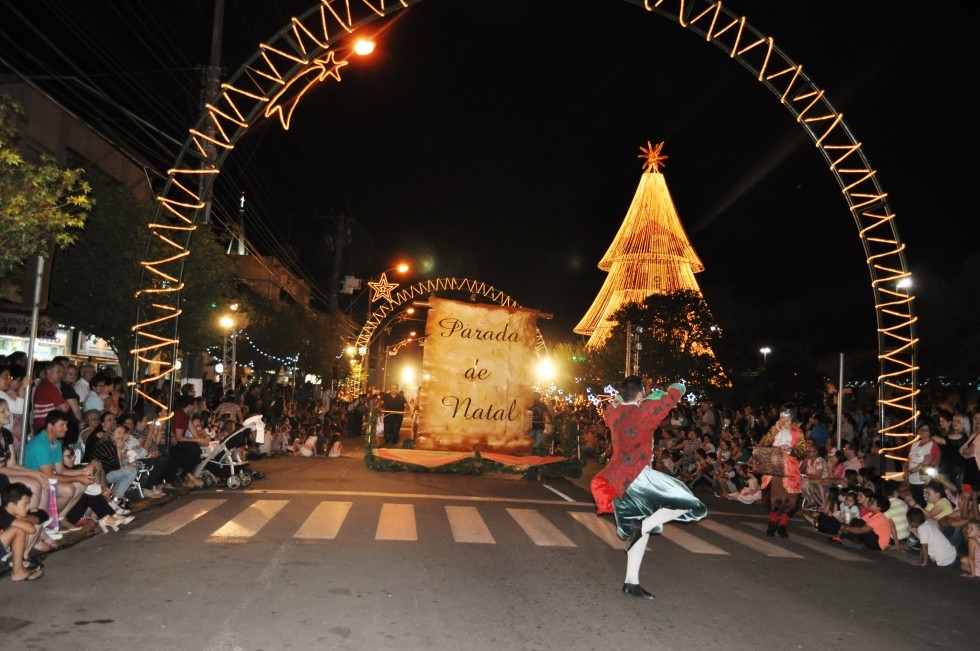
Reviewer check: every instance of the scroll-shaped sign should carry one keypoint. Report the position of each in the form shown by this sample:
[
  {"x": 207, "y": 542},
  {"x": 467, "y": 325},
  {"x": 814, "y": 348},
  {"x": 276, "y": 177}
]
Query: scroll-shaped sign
[{"x": 479, "y": 364}]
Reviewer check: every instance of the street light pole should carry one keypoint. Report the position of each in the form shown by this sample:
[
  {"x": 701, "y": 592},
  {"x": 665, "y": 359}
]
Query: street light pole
[
  {"x": 229, "y": 351},
  {"x": 765, "y": 350}
]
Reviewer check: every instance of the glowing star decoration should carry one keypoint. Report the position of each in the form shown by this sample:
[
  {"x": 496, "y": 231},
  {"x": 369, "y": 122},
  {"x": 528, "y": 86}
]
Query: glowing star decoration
[
  {"x": 285, "y": 101},
  {"x": 382, "y": 288},
  {"x": 691, "y": 398},
  {"x": 654, "y": 159}
]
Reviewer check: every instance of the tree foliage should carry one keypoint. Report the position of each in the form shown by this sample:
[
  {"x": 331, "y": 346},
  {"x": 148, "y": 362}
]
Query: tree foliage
[
  {"x": 678, "y": 337},
  {"x": 38, "y": 202},
  {"x": 94, "y": 283},
  {"x": 291, "y": 331}
]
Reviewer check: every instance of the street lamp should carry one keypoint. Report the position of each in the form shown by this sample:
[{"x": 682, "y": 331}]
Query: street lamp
[{"x": 765, "y": 350}]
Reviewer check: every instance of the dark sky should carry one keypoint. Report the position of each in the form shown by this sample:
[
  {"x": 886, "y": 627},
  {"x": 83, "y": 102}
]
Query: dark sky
[{"x": 498, "y": 140}]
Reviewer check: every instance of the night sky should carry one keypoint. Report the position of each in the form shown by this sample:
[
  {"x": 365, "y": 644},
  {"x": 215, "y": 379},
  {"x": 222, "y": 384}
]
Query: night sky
[{"x": 498, "y": 140}]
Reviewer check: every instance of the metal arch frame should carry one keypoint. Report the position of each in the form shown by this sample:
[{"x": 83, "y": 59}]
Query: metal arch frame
[
  {"x": 427, "y": 288},
  {"x": 297, "y": 48}
]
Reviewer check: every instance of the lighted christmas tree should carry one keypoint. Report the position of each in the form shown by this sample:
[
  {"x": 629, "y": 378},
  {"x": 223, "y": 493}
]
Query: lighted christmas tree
[{"x": 649, "y": 255}]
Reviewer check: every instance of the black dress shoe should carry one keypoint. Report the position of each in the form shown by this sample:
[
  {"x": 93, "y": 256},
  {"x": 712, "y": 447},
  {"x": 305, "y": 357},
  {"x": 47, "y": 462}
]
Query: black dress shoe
[
  {"x": 781, "y": 531},
  {"x": 771, "y": 529},
  {"x": 636, "y": 590},
  {"x": 636, "y": 532}
]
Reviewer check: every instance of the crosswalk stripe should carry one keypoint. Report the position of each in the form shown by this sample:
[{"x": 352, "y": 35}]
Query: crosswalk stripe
[
  {"x": 750, "y": 541},
  {"x": 539, "y": 529},
  {"x": 676, "y": 534},
  {"x": 250, "y": 521},
  {"x": 602, "y": 528},
  {"x": 397, "y": 522},
  {"x": 171, "y": 522},
  {"x": 325, "y": 521},
  {"x": 467, "y": 525}
]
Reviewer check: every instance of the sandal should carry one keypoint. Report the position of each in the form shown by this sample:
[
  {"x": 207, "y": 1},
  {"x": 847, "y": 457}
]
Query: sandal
[
  {"x": 31, "y": 576},
  {"x": 45, "y": 546}
]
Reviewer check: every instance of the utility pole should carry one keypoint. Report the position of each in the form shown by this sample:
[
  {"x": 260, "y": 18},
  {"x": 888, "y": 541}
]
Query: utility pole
[
  {"x": 339, "y": 241},
  {"x": 212, "y": 77}
]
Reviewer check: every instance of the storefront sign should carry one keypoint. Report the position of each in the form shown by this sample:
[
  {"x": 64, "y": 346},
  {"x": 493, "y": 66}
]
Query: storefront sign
[
  {"x": 92, "y": 346},
  {"x": 17, "y": 325}
]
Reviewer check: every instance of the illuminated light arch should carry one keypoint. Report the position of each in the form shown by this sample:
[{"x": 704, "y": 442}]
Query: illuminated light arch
[
  {"x": 310, "y": 50},
  {"x": 426, "y": 288}
]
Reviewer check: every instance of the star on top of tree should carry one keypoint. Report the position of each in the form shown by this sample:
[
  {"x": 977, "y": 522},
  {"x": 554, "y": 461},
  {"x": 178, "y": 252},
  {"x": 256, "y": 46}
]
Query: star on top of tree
[
  {"x": 654, "y": 159},
  {"x": 382, "y": 288}
]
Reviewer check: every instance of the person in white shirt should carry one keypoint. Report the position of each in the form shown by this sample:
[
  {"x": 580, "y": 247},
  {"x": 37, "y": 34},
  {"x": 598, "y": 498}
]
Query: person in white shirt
[
  {"x": 85, "y": 373},
  {"x": 935, "y": 546}
]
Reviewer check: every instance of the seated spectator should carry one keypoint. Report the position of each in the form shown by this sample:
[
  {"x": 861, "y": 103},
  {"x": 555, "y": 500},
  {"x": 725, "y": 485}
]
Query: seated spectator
[
  {"x": 723, "y": 479},
  {"x": 162, "y": 469},
  {"x": 44, "y": 454},
  {"x": 871, "y": 532},
  {"x": 119, "y": 472},
  {"x": 185, "y": 449},
  {"x": 814, "y": 470},
  {"x": 970, "y": 563},
  {"x": 935, "y": 547},
  {"x": 16, "y": 530},
  {"x": 94, "y": 504},
  {"x": 107, "y": 422},
  {"x": 896, "y": 515},
  {"x": 750, "y": 492},
  {"x": 701, "y": 471}
]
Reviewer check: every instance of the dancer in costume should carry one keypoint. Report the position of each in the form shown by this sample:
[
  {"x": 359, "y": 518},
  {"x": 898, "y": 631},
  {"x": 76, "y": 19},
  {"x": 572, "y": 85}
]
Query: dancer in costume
[
  {"x": 782, "y": 494},
  {"x": 642, "y": 499}
]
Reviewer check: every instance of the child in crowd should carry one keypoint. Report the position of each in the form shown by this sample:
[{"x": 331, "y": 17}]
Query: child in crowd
[
  {"x": 935, "y": 547},
  {"x": 15, "y": 530},
  {"x": 970, "y": 564},
  {"x": 849, "y": 509},
  {"x": 750, "y": 492}
]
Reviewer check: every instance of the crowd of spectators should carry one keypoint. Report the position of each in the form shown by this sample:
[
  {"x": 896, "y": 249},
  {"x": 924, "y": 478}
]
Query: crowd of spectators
[{"x": 86, "y": 449}]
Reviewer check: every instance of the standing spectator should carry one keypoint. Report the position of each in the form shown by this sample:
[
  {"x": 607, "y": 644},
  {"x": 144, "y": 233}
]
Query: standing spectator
[
  {"x": 923, "y": 457},
  {"x": 71, "y": 397},
  {"x": 13, "y": 392},
  {"x": 98, "y": 394},
  {"x": 971, "y": 461},
  {"x": 355, "y": 415},
  {"x": 393, "y": 406},
  {"x": 818, "y": 430},
  {"x": 851, "y": 459},
  {"x": 47, "y": 394},
  {"x": 86, "y": 372},
  {"x": 951, "y": 461}
]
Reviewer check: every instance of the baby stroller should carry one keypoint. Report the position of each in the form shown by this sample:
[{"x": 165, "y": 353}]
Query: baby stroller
[{"x": 226, "y": 460}]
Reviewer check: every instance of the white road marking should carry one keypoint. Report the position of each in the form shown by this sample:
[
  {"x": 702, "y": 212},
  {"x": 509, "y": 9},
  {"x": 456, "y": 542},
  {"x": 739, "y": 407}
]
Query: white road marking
[
  {"x": 250, "y": 521},
  {"x": 171, "y": 522},
  {"x": 325, "y": 521},
  {"x": 541, "y": 532},
  {"x": 397, "y": 522},
  {"x": 468, "y": 526}
]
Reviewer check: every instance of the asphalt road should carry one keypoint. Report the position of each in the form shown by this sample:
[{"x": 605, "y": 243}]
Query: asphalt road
[{"x": 327, "y": 554}]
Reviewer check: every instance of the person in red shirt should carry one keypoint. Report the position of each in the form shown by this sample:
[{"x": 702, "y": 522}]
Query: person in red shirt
[
  {"x": 185, "y": 448},
  {"x": 47, "y": 396}
]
